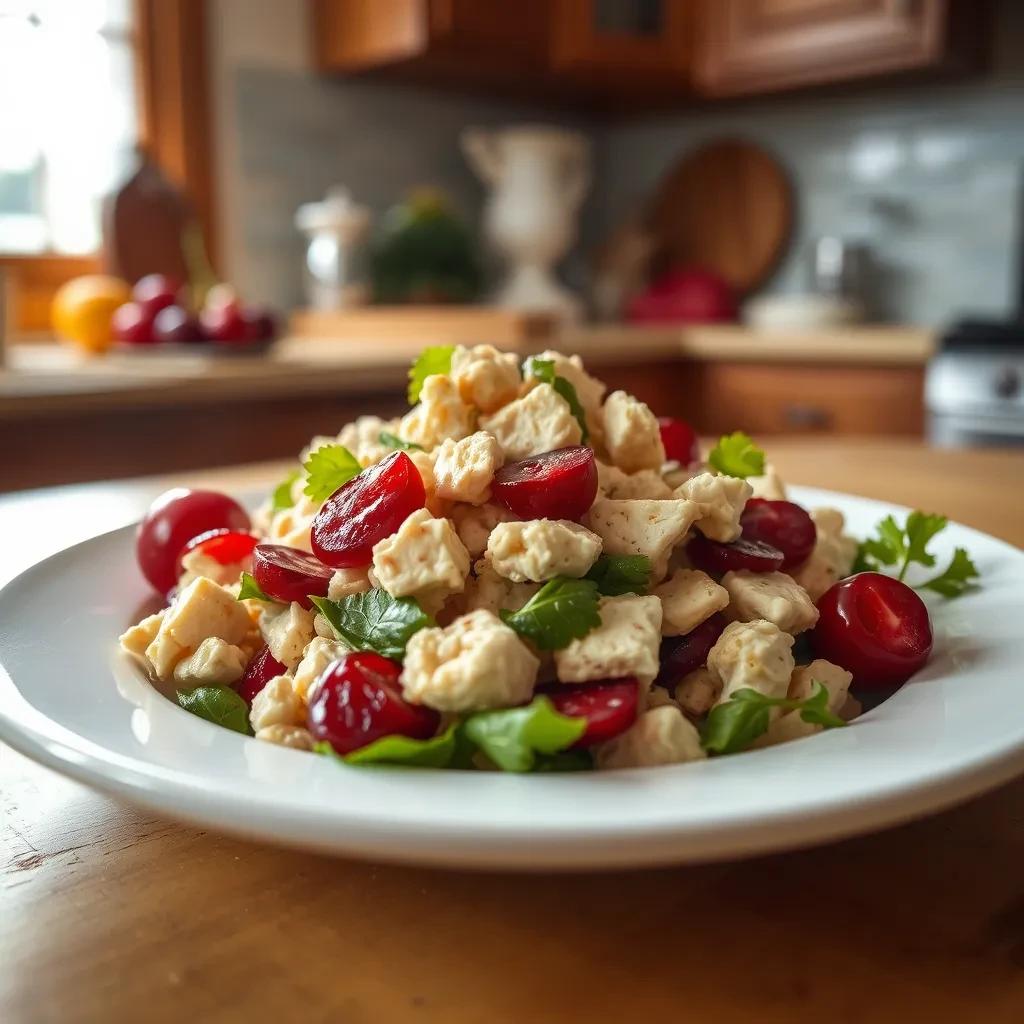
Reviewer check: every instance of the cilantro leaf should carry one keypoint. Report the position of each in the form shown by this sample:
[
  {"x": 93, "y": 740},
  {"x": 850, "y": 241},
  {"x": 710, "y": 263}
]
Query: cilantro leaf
[
  {"x": 394, "y": 441},
  {"x": 888, "y": 548},
  {"x": 281, "y": 497},
  {"x": 437, "y": 752},
  {"x": 250, "y": 590},
  {"x": 433, "y": 359},
  {"x": 561, "y": 611},
  {"x": 737, "y": 455},
  {"x": 375, "y": 621},
  {"x": 957, "y": 578},
  {"x": 734, "y": 725},
  {"x": 513, "y": 737},
  {"x": 327, "y": 469},
  {"x": 544, "y": 371},
  {"x": 217, "y": 704},
  {"x": 620, "y": 574}
]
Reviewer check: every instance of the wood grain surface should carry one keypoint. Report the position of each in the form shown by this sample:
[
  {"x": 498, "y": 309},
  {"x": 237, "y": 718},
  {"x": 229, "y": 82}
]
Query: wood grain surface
[{"x": 108, "y": 914}]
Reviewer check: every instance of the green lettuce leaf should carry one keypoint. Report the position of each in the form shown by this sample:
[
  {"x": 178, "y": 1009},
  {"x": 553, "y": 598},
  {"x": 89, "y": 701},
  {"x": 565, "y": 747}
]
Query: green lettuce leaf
[
  {"x": 281, "y": 498},
  {"x": 437, "y": 752},
  {"x": 375, "y": 621},
  {"x": 620, "y": 574},
  {"x": 217, "y": 704},
  {"x": 514, "y": 737},
  {"x": 560, "y": 612}
]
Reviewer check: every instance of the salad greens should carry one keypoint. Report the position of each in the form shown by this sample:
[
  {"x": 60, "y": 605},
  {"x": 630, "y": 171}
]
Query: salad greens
[
  {"x": 561, "y": 611},
  {"x": 327, "y": 469},
  {"x": 433, "y": 359},
  {"x": 394, "y": 441},
  {"x": 375, "y": 621},
  {"x": 620, "y": 574},
  {"x": 281, "y": 497},
  {"x": 217, "y": 704},
  {"x": 437, "y": 752},
  {"x": 737, "y": 455},
  {"x": 544, "y": 370},
  {"x": 250, "y": 590}
]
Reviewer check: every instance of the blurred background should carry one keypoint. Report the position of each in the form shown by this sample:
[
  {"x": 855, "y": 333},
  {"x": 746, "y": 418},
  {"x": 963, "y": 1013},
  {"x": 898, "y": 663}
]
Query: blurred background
[{"x": 227, "y": 225}]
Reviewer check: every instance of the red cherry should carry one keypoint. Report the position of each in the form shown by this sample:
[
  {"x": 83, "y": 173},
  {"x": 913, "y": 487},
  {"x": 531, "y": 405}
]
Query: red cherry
[
  {"x": 177, "y": 325},
  {"x": 133, "y": 324},
  {"x": 556, "y": 485},
  {"x": 358, "y": 699},
  {"x": 718, "y": 559},
  {"x": 680, "y": 655},
  {"x": 155, "y": 292},
  {"x": 224, "y": 324},
  {"x": 263, "y": 667},
  {"x": 261, "y": 324},
  {"x": 609, "y": 706},
  {"x": 288, "y": 574},
  {"x": 875, "y": 627},
  {"x": 172, "y": 521},
  {"x": 679, "y": 439},
  {"x": 370, "y": 507},
  {"x": 783, "y": 525},
  {"x": 224, "y": 546}
]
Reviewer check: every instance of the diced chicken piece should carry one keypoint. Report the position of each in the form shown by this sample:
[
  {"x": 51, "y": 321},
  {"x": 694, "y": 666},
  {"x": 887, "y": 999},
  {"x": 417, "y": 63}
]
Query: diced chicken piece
[
  {"x": 769, "y": 485},
  {"x": 486, "y": 377},
  {"x": 277, "y": 704},
  {"x": 614, "y": 483},
  {"x": 640, "y": 527},
  {"x": 491, "y": 592},
  {"x": 833, "y": 555},
  {"x": 538, "y": 422},
  {"x": 589, "y": 390},
  {"x": 791, "y": 726},
  {"x": 755, "y": 655},
  {"x": 203, "y": 609},
  {"x": 475, "y": 663},
  {"x": 473, "y": 524},
  {"x": 625, "y": 644},
  {"x": 541, "y": 549},
  {"x": 346, "y": 582},
  {"x": 464, "y": 469},
  {"x": 425, "y": 559},
  {"x": 698, "y": 691},
  {"x": 769, "y": 595},
  {"x": 291, "y": 526},
  {"x": 722, "y": 499},
  {"x": 688, "y": 597},
  {"x": 660, "y": 736},
  {"x": 362, "y": 438},
  {"x": 137, "y": 638},
  {"x": 295, "y": 737},
  {"x": 214, "y": 663},
  {"x": 287, "y": 631},
  {"x": 319, "y": 653},
  {"x": 440, "y": 415},
  {"x": 631, "y": 434}
]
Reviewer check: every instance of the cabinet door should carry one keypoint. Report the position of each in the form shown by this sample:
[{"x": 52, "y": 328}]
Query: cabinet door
[
  {"x": 622, "y": 38},
  {"x": 759, "y": 45}
]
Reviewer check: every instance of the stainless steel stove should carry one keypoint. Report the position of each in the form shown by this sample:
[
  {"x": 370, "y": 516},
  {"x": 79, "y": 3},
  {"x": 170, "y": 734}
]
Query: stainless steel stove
[{"x": 974, "y": 386}]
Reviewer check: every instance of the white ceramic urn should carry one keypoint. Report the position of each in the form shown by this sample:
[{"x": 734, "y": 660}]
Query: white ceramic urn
[{"x": 538, "y": 177}]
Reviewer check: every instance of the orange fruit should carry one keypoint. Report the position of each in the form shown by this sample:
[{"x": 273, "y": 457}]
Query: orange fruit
[{"x": 83, "y": 307}]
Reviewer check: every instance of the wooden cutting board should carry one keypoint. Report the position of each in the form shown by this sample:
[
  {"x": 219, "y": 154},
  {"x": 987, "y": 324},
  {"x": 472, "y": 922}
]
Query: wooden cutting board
[{"x": 727, "y": 207}]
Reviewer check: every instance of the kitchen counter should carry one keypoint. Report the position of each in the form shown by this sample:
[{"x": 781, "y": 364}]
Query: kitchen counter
[
  {"x": 46, "y": 379},
  {"x": 108, "y": 909}
]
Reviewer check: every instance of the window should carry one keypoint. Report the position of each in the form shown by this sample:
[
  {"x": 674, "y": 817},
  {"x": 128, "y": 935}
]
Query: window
[{"x": 68, "y": 119}]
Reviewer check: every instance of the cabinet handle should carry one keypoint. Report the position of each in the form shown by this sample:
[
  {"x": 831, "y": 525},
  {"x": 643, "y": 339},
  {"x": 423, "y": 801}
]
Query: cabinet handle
[{"x": 806, "y": 417}]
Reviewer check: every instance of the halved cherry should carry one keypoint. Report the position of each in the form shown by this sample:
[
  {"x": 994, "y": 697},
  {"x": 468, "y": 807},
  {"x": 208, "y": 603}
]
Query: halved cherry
[
  {"x": 263, "y": 667},
  {"x": 561, "y": 484},
  {"x": 223, "y": 545},
  {"x": 288, "y": 574},
  {"x": 679, "y": 439},
  {"x": 718, "y": 559},
  {"x": 875, "y": 627},
  {"x": 783, "y": 525},
  {"x": 358, "y": 699},
  {"x": 370, "y": 507},
  {"x": 680, "y": 655},
  {"x": 609, "y": 706}
]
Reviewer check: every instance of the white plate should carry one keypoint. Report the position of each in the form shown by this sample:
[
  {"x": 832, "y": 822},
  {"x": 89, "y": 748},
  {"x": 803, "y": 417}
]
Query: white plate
[{"x": 70, "y": 700}]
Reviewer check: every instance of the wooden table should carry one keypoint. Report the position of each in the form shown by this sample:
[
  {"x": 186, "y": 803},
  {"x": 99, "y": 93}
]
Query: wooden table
[{"x": 109, "y": 914}]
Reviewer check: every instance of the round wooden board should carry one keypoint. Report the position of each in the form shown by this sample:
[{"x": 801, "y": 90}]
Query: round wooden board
[{"x": 727, "y": 207}]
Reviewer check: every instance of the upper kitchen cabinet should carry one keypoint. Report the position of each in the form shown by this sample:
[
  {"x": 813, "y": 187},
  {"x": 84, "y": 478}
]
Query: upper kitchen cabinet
[{"x": 757, "y": 46}]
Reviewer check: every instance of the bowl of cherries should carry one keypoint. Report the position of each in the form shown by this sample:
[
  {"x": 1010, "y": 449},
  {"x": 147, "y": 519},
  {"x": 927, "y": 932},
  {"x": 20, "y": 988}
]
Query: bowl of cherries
[{"x": 160, "y": 315}]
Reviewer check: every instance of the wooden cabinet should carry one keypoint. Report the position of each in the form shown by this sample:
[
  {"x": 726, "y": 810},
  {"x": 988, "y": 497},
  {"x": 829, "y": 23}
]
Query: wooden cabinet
[
  {"x": 755, "y": 46},
  {"x": 632, "y": 54}
]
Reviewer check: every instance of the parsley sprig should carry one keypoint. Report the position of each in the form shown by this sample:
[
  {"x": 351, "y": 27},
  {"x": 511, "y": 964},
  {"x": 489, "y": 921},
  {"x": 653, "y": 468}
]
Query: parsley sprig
[
  {"x": 734, "y": 725},
  {"x": 327, "y": 469},
  {"x": 737, "y": 455},
  {"x": 901, "y": 547},
  {"x": 432, "y": 360},
  {"x": 544, "y": 370},
  {"x": 561, "y": 611}
]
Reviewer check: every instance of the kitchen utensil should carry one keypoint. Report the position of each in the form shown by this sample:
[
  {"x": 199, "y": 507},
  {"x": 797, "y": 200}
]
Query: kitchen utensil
[{"x": 726, "y": 207}]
